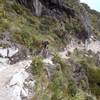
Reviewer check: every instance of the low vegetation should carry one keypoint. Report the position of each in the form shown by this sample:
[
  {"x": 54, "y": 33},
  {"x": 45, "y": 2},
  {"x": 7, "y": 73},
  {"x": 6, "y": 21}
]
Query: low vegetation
[
  {"x": 89, "y": 63},
  {"x": 37, "y": 66},
  {"x": 30, "y": 31}
]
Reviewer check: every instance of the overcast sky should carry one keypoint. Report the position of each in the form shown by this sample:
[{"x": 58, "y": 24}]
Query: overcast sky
[{"x": 94, "y": 4}]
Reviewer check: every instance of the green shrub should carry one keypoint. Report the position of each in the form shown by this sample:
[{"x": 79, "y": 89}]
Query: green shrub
[
  {"x": 56, "y": 58},
  {"x": 79, "y": 96},
  {"x": 58, "y": 86},
  {"x": 72, "y": 89},
  {"x": 37, "y": 66},
  {"x": 18, "y": 8},
  {"x": 93, "y": 75}
]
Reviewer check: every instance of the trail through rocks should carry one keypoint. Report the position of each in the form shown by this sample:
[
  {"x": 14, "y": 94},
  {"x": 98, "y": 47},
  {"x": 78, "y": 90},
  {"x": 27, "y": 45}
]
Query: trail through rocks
[{"x": 12, "y": 77}]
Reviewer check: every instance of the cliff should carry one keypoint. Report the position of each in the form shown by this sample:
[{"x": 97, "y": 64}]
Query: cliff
[{"x": 60, "y": 8}]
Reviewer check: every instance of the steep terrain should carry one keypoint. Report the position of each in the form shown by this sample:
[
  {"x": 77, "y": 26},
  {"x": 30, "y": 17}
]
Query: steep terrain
[
  {"x": 94, "y": 16},
  {"x": 68, "y": 69}
]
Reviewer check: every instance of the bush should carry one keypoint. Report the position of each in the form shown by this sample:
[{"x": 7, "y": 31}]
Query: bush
[
  {"x": 56, "y": 58},
  {"x": 37, "y": 66},
  {"x": 93, "y": 77},
  {"x": 72, "y": 89},
  {"x": 58, "y": 86}
]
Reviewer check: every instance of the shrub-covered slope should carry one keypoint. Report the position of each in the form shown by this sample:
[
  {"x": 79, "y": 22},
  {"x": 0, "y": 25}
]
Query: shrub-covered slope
[
  {"x": 29, "y": 22},
  {"x": 58, "y": 21}
]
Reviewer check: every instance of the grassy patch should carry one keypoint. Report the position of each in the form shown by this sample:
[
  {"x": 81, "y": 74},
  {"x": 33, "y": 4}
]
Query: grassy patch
[{"x": 37, "y": 66}]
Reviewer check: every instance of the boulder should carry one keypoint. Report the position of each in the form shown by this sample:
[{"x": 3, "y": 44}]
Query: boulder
[{"x": 20, "y": 55}]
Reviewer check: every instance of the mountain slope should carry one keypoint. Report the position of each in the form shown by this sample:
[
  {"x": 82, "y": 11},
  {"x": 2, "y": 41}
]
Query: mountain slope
[{"x": 71, "y": 70}]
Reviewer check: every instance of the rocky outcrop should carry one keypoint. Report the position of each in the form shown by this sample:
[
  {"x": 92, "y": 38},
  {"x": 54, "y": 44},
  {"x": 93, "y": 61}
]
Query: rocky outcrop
[
  {"x": 49, "y": 7},
  {"x": 20, "y": 55},
  {"x": 79, "y": 76},
  {"x": 85, "y": 21},
  {"x": 57, "y": 9},
  {"x": 34, "y": 5}
]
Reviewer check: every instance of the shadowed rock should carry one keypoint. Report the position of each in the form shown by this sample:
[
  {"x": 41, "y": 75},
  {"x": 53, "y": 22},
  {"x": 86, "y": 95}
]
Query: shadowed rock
[
  {"x": 39, "y": 7},
  {"x": 20, "y": 55}
]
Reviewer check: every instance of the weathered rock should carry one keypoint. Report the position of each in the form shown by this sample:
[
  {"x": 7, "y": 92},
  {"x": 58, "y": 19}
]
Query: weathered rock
[
  {"x": 89, "y": 97},
  {"x": 58, "y": 9},
  {"x": 85, "y": 21},
  {"x": 39, "y": 7},
  {"x": 20, "y": 55},
  {"x": 5, "y": 36},
  {"x": 79, "y": 76},
  {"x": 83, "y": 35}
]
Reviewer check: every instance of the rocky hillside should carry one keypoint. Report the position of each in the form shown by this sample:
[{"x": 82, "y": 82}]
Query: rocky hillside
[
  {"x": 68, "y": 69},
  {"x": 57, "y": 20},
  {"x": 59, "y": 10},
  {"x": 94, "y": 16}
]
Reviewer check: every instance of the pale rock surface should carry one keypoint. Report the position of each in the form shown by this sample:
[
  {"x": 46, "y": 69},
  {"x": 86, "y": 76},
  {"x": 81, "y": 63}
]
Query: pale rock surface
[
  {"x": 12, "y": 77},
  {"x": 12, "y": 51}
]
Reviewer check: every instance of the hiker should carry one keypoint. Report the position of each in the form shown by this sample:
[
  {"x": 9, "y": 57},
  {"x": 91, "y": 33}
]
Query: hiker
[
  {"x": 7, "y": 52},
  {"x": 44, "y": 51},
  {"x": 45, "y": 44}
]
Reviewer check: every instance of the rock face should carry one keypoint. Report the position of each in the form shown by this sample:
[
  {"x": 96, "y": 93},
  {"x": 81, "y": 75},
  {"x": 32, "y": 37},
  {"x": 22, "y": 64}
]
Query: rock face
[
  {"x": 84, "y": 18},
  {"x": 20, "y": 55},
  {"x": 80, "y": 77},
  {"x": 85, "y": 22},
  {"x": 13, "y": 78},
  {"x": 41, "y": 7},
  {"x": 57, "y": 9}
]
